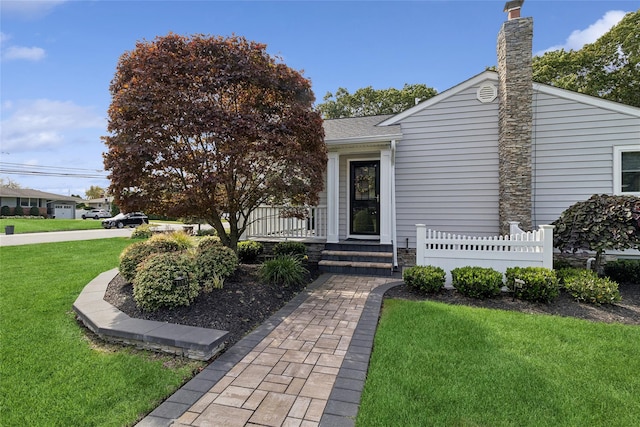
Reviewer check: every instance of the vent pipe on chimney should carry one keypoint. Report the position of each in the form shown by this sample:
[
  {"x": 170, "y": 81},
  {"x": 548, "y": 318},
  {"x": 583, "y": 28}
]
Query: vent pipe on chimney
[{"x": 513, "y": 9}]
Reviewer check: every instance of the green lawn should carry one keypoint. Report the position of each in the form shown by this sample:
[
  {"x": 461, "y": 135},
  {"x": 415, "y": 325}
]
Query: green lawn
[
  {"x": 24, "y": 225},
  {"x": 50, "y": 374},
  {"x": 439, "y": 365}
]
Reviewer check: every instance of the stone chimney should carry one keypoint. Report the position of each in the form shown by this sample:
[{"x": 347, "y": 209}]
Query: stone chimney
[{"x": 515, "y": 95}]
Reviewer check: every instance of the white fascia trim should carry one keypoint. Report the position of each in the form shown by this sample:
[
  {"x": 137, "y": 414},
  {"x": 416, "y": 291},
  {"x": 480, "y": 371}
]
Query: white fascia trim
[
  {"x": 486, "y": 75},
  {"x": 587, "y": 99},
  {"x": 386, "y": 139}
]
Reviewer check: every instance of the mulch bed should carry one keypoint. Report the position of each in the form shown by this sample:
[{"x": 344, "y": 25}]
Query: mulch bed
[
  {"x": 245, "y": 302},
  {"x": 240, "y": 306},
  {"x": 626, "y": 311}
]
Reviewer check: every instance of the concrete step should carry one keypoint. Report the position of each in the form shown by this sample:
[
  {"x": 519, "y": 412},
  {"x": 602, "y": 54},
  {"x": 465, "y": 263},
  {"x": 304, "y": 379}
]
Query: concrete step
[
  {"x": 357, "y": 257},
  {"x": 357, "y": 254},
  {"x": 354, "y": 256},
  {"x": 356, "y": 267},
  {"x": 355, "y": 264}
]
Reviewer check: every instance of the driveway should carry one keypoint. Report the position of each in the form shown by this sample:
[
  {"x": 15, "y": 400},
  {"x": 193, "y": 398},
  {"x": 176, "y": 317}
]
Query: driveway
[{"x": 61, "y": 236}]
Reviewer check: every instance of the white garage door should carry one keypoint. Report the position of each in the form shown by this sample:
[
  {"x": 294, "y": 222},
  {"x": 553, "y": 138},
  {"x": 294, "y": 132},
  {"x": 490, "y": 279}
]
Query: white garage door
[{"x": 63, "y": 211}]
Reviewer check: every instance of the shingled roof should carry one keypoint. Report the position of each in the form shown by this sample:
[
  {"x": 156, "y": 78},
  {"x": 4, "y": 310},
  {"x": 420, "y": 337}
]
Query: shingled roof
[
  {"x": 34, "y": 194},
  {"x": 359, "y": 128}
]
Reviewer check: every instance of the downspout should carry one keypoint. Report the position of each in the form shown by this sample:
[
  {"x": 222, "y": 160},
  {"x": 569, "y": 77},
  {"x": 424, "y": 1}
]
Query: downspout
[{"x": 394, "y": 239}]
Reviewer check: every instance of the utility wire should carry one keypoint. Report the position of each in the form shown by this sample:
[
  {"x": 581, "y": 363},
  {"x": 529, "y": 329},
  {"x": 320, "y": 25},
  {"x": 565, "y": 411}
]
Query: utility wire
[{"x": 41, "y": 170}]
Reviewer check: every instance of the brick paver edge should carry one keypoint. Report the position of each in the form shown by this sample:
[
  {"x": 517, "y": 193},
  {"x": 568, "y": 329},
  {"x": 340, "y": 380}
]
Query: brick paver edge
[{"x": 344, "y": 400}]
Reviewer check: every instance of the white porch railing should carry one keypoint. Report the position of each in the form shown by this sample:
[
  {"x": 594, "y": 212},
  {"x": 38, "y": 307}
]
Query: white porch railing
[
  {"x": 267, "y": 222},
  {"x": 519, "y": 249}
]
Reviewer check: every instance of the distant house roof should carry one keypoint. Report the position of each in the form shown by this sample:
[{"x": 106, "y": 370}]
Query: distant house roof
[
  {"x": 34, "y": 194},
  {"x": 109, "y": 199},
  {"x": 354, "y": 129}
]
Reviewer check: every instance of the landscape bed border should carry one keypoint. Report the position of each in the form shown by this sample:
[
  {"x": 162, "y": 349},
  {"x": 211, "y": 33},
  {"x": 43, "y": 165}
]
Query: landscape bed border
[{"x": 113, "y": 325}]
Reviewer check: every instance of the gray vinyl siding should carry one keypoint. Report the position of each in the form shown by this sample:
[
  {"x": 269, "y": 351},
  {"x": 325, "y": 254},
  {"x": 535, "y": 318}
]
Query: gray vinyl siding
[
  {"x": 573, "y": 152},
  {"x": 447, "y": 168}
]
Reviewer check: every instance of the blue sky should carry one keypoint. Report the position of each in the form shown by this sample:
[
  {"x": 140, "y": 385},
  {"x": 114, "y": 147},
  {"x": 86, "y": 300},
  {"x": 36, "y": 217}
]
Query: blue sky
[{"x": 59, "y": 56}]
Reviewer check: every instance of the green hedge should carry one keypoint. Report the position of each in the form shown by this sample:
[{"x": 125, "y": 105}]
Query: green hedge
[
  {"x": 290, "y": 248},
  {"x": 249, "y": 251},
  {"x": 424, "y": 278},
  {"x": 623, "y": 271},
  {"x": 535, "y": 284},
  {"x": 477, "y": 282},
  {"x": 213, "y": 265},
  {"x": 586, "y": 286},
  {"x": 165, "y": 280}
]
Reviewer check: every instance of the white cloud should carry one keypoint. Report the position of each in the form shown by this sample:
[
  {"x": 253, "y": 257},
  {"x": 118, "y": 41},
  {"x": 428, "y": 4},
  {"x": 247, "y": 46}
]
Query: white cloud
[
  {"x": 44, "y": 123},
  {"x": 14, "y": 52},
  {"x": 578, "y": 38},
  {"x": 29, "y": 9},
  {"x": 20, "y": 52}
]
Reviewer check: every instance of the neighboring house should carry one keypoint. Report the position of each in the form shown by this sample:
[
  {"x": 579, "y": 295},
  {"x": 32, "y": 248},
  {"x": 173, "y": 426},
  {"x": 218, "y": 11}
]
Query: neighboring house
[
  {"x": 100, "y": 203},
  {"x": 51, "y": 205},
  {"x": 493, "y": 149}
]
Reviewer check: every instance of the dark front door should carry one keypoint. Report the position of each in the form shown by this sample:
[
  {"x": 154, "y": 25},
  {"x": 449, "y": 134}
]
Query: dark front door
[{"x": 365, "y": 198}]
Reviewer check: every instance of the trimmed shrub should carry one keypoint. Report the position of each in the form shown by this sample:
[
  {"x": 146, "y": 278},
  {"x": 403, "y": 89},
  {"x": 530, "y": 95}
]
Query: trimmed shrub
[
  {"x": 588, "y": 287},
  {"x": 167, "y": 242},
  {"x": 213, "y": 265},
  {"x": 165, "y": 280},
  {"x": 477, "y": 282},
  {"x": 208, "y": 241},
  {"x": 34, "y": 211},
  {"x": 206, "y": 232},
  {"x": 538, "y": 284},
  {"x": 623, "y": 271},
  {"x": 5, "y": 211},
  {"x": 131, "y": 257},
  {"x": 284, "y": 270},
  {"x": 141, "y": 232},
  {"x": 424, "y": 278},
  {"x": 249, "y": 251},
  {"x": 184, "y": 240},
  {"x": 560, "y": 264},
  {"x": 564, "y": 274},
  {"x": 290, "y": 248},
  {"x": 18, "y": 211}
]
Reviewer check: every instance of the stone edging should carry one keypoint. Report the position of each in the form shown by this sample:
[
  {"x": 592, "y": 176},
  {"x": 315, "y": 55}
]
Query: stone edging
[
  {"x": 111, "y": 324},
  {"x": 344, "y": 400}
]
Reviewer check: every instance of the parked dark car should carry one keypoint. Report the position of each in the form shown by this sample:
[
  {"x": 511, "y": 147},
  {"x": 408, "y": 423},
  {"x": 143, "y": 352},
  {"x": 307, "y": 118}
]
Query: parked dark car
[{"x": 132, "y": 219}]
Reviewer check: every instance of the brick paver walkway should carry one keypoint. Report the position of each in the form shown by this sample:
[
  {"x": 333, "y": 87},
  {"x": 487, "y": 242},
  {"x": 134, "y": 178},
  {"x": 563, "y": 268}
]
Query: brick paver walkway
[{"x": 288, "y": 377}]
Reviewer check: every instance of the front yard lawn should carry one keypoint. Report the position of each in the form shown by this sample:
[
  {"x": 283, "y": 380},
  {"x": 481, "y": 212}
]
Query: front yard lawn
[
  {"x": 27, "y": 225},
  {"x": 50, "y": 373},
  {"x": 442, "y": 365}
]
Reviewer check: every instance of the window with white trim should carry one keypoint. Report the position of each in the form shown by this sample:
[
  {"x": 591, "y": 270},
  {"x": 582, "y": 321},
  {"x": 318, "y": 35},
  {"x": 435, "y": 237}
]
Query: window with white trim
[{"x": 626, "y": 170}]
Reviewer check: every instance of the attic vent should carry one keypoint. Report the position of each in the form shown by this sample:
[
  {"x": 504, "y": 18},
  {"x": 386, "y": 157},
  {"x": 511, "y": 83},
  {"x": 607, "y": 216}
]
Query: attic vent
[{"x": 487, "y": 93}]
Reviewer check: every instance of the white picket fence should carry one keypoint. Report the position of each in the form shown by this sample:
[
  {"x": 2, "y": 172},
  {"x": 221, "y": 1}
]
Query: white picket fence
[{"x": 518, "y": 249}]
